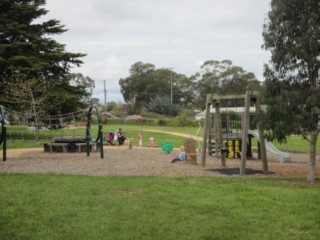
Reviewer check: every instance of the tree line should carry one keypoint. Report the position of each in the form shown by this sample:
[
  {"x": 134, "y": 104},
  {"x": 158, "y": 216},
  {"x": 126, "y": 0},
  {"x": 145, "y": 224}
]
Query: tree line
[{"x": 147, "y": 86}]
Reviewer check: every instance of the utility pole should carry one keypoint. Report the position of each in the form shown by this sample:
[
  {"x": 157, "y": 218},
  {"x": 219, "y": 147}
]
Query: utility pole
[
  {"x": 171, "y": 85},
  {"x": 105, "y": 92}
]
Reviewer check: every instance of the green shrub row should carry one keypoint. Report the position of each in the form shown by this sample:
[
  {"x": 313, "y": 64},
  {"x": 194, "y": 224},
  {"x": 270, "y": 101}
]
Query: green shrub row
[{"x": 150, "y": 122}]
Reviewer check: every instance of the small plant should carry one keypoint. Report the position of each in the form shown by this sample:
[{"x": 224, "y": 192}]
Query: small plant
[{"x": 162, "y": 122}]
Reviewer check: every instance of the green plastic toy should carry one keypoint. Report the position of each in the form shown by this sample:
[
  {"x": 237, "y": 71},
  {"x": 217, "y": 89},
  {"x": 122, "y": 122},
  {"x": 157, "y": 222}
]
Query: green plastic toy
[{"x": 166, "y": 147}]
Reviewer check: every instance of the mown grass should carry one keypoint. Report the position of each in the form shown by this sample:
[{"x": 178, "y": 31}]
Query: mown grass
[
  {"x": 294, "y": 143},
  {"x": 35, "y": 206},
  {"x": 131, "y": 131}
]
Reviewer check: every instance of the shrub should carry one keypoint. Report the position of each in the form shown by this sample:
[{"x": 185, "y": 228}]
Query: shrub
[
  {"x": 162, "y": 122},
  {"x": 162, "y": 105}
]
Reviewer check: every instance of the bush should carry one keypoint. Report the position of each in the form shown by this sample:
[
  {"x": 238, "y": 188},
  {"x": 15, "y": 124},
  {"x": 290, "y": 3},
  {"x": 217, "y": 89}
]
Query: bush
[
  {"x": 162, "y": 105},
  {"x": 162, "y": 122},
  {"x": 141, "y": 121},
  {"x": 149, "y": 115}
]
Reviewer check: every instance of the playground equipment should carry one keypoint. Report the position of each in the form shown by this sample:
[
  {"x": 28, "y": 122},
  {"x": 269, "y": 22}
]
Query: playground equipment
[
  {"x": 3, "y": 137},
  {"x": 199, "y": 147},
  {"x": 190, "y": 148},
  {"x": 282, "y": 156},
  {"x": 99, "y": 138},
  {"x": 76, "y": 143},
  {"x": 62, "y": 142},
  {"x": 166, "y": 147},
  {"x": 216, "y": 100},
  {"x": 72, "y": 143}
]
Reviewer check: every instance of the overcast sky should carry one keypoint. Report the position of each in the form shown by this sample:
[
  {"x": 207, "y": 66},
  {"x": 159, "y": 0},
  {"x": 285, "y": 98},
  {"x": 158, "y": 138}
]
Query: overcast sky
[{"x": 167, "y": 33}]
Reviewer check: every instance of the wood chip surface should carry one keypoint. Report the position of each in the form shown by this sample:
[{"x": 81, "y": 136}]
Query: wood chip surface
[{"x": 121, "y": 161}]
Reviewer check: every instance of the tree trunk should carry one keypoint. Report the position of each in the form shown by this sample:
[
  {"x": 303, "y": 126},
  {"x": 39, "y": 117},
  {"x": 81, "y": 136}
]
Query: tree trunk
[
  {"x": 312, "y": 160},
  {"x": 35, "y": 118}
]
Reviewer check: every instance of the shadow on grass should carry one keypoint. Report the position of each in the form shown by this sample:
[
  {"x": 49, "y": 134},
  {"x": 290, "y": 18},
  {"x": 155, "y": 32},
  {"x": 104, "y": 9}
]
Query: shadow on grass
[{"x": 236, "y": 171}]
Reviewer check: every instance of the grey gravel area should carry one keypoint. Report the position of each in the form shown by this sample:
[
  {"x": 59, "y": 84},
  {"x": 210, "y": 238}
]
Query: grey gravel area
[{"x": 137, "y": 162}]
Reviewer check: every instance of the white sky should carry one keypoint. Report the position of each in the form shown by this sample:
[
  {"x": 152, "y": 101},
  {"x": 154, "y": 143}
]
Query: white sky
[{"x": 167, "y": 33}]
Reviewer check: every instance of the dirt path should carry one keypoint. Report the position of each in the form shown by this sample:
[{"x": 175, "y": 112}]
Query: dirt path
[{"x": 177, "y": 134}]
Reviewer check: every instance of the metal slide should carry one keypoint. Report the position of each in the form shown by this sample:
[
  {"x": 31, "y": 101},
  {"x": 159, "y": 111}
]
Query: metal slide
[{"x": 272, "y": 150}]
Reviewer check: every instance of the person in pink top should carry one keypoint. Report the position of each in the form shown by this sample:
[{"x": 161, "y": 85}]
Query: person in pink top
[
  {"x": 140, "y": 139},
  {"x": 151, "y": 142}
]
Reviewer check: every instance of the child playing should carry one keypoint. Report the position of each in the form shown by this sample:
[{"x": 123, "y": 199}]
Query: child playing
[
  {"x": 140, "y": 139},
  {"x": 110, "y": 139},
  {"x": 181, "y": 156},
  {"x": 151, "y": 142}
]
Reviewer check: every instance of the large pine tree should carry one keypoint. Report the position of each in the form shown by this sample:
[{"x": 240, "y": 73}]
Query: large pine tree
[{"x": 26, "y": 49}]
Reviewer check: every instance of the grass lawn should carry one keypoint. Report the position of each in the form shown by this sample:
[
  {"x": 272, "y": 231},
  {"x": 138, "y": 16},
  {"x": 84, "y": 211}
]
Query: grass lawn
[
  {"x": 294, "y": 144},
  {"x": 40, "y": 206},
  {"x": 130, "y": 131}
]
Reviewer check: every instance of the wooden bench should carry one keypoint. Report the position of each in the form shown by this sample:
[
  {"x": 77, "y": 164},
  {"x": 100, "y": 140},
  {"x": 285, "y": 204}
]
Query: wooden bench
[
  {"x": 83, "y": 146},
  {"x": 51, "y": 146}
]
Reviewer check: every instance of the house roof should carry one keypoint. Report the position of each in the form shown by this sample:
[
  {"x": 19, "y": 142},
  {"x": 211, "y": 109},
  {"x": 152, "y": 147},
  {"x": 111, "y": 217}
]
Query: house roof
[
  {"x": 134, "y": 117},
  {"x": 231, "y": 109},
  {"x": 108, "y": 115}
]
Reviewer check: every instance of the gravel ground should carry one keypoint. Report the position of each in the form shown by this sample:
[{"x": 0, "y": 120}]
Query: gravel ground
[{"x": 141, "y": 162}]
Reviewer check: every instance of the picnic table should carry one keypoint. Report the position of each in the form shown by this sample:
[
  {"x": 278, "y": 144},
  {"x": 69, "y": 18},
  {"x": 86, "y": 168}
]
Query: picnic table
[{"x": 69, "y": 144}]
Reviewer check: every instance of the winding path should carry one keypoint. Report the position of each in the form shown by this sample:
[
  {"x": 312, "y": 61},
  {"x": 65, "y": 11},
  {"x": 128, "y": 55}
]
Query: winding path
[{"x": 177, "y": 134}]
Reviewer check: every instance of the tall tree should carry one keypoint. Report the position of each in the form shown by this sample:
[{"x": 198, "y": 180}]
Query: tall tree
[
  {"x": 77, "y": 79},
  {"x": 145, "y": 82},
  {"x": 32, "y": 95},
  {"x": 223, "y": 78},
  {"x": 292, "y": 91},
  {"x": 66, "y": 98},
  {"x": 26, "y": 50}
]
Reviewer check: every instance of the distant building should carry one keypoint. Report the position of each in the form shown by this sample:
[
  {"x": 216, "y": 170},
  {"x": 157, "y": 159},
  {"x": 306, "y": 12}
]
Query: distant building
[
  {"x": 134, "y": 117},
  {"x": 202, "y": 115},
  {"x": 107, "y": 115}
]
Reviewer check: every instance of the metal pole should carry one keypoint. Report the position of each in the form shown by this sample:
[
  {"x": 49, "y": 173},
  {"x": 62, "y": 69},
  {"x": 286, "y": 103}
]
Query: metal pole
[
  {"x": 100, "y": 133},
  {"x": 88, "y": 129},
  {"x": 171, "y": 88},
  {"x": 99, "y": 139},
  {"x": 3, "y": 133},
  {"x": 105, "y": 92}
]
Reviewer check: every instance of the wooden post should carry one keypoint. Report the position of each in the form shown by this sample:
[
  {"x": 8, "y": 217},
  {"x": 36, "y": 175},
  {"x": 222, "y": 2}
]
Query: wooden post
[
  {"x": 216, "y": 134},
  {"x": 263, "y": 152},
  {"x": 206, "y": 130},
  {"x": 245, "y": 133},
  {"x": 190, "y": 148},
  {"x": 219, "y": 132}
]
